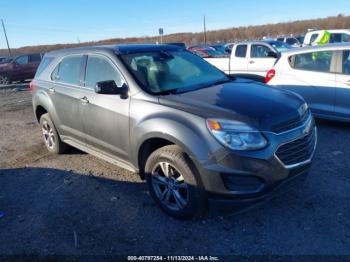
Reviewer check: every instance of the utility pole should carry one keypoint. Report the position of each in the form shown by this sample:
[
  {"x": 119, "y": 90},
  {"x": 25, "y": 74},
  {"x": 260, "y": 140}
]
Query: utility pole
[
  {"x": 7, "y": 41},
  {"x": 205, "y": 33}
]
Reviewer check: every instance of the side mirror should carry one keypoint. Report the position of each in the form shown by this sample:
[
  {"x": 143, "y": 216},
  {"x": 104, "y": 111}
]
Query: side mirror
[
  {"x": 109, "y": 87},
  {"x": 272, "y": 54}
]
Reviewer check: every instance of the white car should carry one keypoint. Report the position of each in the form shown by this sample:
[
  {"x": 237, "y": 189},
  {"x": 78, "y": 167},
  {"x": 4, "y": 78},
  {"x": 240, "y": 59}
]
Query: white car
[
  {"x": 320, "y": 74},
  {"x": 250, "y": 59},
  {"x": 317, "y": 37}
]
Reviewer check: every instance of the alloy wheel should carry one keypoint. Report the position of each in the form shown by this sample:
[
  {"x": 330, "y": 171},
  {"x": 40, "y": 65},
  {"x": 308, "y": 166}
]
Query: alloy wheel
[
  {"x": 4, "y": 80},
  {"x": 49, "y": 135},
  {"x": 169, "y": 186}
]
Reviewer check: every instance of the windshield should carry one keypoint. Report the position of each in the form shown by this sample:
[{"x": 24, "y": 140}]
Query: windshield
[
  {"x": 280, "y": 46},
  {"x": 177, "y": 71}
]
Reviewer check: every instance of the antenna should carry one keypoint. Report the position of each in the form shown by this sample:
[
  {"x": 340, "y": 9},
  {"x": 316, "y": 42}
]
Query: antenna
[
  {"x": 205, "y": 32},
  {"x": 7, "y": 41}
]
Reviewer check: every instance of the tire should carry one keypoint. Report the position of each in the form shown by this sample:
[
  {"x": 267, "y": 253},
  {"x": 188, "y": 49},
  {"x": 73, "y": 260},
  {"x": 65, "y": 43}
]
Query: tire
[
  {"x": 179, "y": 193},
  {"x": 4, "y": 79},
  {"x": 51, "y": 138}
]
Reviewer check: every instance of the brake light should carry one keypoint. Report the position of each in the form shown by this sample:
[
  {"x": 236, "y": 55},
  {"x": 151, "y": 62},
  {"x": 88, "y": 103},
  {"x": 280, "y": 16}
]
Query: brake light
[
  {"x": 270, "y": 74},
  {"x": 31, "y": 87}
]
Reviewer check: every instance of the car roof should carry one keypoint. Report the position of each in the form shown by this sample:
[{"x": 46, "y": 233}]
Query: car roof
[
  {"x": 336, "y": 46},
  {"x": 257, "y": 42},
  {"x": 118, "y": 49}
]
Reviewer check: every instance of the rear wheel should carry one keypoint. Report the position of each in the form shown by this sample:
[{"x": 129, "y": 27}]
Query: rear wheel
[
  {"x": 4, "y": 79},
  {"x": 51, "y": 138},
  {"x": 174, "y": 184}
]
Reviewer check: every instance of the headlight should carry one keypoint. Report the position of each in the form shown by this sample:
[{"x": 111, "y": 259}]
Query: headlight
[{"x": 236, "y": 135}]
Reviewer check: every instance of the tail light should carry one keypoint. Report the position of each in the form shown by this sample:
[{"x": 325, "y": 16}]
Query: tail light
[
  {"x": 270, "y": 74},
  {"x": 31, "y": 87}
]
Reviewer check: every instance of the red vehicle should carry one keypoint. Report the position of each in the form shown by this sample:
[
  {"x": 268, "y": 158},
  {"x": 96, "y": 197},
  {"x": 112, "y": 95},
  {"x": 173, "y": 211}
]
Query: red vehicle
[
  {"x": 205, "y": 52},
  {"x": 19, "y": 68}
]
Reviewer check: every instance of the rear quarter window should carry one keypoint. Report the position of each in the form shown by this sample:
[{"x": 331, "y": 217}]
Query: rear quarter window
[{"x": 43, "y": 65}]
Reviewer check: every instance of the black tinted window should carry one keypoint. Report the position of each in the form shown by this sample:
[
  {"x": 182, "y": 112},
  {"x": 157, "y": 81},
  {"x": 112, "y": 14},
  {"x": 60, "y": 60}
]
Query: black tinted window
[
  {"x": 259, "y": 51},
  {"x": 346, "y": 62},
  {"x": 100, "y": 69},
  {"x": 68, "y": 71},
  {"x": 35, "y": 58},
  {"x": 280, "y": 39},
  {"x": 46, "y": 61},
  {"x": 241, "y": 51},
  {"x": 315, "y": 61},
  {"x": 313, "y": 38},
  {"x": 22, "y": 60},
  {"x": 291, "y": 41}
]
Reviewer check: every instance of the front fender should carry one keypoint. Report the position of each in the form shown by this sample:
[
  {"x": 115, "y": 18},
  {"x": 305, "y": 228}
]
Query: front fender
[{"x": 189, "y": 135}]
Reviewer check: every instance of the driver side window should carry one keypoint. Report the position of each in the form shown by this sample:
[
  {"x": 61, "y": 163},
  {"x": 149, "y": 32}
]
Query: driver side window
[
  {"x": 22, "y": 60},
  {"x": 100, "y": 69}
]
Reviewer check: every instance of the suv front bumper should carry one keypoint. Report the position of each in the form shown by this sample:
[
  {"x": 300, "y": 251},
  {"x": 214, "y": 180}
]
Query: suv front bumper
[{"x": 253, "y": 175}]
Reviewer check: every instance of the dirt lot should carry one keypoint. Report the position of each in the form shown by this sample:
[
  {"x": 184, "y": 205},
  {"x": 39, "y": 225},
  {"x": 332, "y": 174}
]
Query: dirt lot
[{"x": 75, "y": 204}]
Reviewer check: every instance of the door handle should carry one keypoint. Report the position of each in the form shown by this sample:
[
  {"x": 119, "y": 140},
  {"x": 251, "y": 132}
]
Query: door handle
[
  {"x": 84, "y": 100},
  {"x": 52, "y": 90},
  {"x": 251, "y": 62}
]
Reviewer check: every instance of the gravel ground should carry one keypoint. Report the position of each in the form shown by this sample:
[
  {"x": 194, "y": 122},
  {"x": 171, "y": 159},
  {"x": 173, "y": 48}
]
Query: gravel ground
[{"x": 76, "y": 204}]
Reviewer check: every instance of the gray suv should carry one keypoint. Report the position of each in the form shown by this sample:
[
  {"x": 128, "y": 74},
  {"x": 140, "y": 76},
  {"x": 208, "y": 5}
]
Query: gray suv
[{"x": 190, "y": 131}]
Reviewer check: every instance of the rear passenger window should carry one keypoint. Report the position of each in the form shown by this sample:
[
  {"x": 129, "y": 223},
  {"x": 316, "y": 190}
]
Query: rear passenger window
[
  {"x": 68, "y": 71},
  {"x": 291, "y": 41},
  {"x": 241, "y": 51},
  {"x": 315, "y": 61},
  {"x": 46, "y": 61},
  {"x": 100, "y": 69}
]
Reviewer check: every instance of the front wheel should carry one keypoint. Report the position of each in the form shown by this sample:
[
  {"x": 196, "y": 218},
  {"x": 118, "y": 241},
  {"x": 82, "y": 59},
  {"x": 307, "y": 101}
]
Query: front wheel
[
  {"x": 174, "y": 184},
  {"x": 4, "y": 79}
]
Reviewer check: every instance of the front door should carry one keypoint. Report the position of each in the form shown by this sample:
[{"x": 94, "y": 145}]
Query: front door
[
  {"x": 259, "y": 61},
  {"x": 105, "y": 117}
]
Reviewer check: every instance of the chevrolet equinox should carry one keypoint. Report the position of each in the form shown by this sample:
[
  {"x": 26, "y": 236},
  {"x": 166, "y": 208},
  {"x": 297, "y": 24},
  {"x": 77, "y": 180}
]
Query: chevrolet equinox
[{"x": 193, "y": 133}]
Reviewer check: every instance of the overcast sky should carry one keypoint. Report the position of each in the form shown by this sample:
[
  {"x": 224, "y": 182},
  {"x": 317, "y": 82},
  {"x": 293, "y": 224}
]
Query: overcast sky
[{"x": 67, "y": 21}]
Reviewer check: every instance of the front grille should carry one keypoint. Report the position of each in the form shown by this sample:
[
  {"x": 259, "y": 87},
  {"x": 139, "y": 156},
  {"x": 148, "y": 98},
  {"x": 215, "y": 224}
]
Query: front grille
[
  {"x": 290, "y": 124},
  {"x": 298, "y": 150}
]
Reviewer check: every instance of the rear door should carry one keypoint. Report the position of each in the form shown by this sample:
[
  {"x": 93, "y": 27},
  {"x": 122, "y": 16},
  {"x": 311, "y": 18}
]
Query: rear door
[
  {"x": 34, "y": 62},
  {"x": 342, "y": 105},
  {"x": 312, "y": 76},
  {"x": 65, "y": 92},
  {"x": 259, "y": 61},
  {"x": 238, "y": 60},
  {"x": 105, "y": 117}
]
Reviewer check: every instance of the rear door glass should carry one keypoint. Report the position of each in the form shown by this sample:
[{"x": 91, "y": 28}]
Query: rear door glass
[{"x": 69, "y": 70}]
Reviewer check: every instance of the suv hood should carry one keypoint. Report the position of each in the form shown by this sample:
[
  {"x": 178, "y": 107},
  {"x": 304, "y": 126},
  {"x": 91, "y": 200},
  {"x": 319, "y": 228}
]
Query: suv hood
[{"x": 258, "y": 105}]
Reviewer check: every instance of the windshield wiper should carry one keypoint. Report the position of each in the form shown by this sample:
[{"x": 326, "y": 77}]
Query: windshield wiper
[{"x": 167, "y": 92}]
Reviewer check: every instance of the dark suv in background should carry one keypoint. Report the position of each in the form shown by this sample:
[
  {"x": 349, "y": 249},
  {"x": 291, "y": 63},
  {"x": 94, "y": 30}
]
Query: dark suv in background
[
  {"x": 19, "y": 68},
  {"x": 191, "y": 131}
]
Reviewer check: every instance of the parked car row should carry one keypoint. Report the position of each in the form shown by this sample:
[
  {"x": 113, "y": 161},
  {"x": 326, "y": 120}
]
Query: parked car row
[
  {"x": 186, "y": 127},
  {"x": 19, "y": 68}
]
